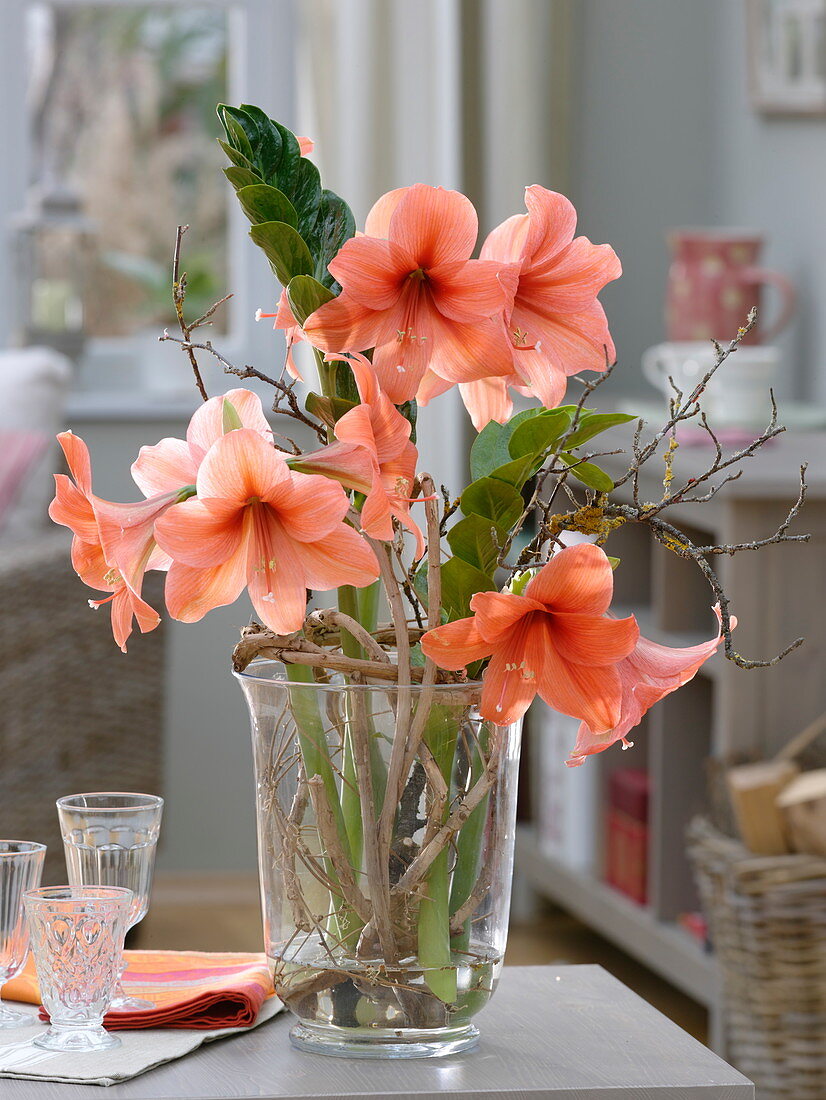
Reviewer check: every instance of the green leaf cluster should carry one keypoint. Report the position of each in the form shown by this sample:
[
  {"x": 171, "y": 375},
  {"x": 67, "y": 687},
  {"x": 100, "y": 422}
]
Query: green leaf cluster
[
  {"x": 299, "y": 225},
  {"x": 502, "y": 460}
]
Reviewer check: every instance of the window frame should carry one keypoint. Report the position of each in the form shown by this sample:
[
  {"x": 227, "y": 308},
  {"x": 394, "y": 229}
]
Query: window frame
[{"x": 257, "y": 73}]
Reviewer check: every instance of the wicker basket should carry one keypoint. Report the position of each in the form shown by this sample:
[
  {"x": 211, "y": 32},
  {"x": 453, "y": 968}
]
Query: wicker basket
[
  {"x": 75, "y": 713},
  {"x": 767, "y": 919}
]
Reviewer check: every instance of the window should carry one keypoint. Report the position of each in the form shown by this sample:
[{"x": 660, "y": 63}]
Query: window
[{"x": 114, "y": 101}]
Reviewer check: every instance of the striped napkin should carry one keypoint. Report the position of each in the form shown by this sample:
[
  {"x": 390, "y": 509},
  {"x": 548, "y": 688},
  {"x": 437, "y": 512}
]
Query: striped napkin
[{"x": 199, "y": 990}]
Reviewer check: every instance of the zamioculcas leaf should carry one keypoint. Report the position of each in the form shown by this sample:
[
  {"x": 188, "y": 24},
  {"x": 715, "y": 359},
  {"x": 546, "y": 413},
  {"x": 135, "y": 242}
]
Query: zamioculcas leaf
[
  {"x": 305, "y": 294},
  {"x": 588, "y": 474},
  {"x": 262, "y": 203},
  {"x": 241, "y": 177},
  {"x": 239, "y": 159},
  {"x": 493, "y": 499},
  {"x": 284, "y": 248},
  {"x": 335, "y": 225},
  {"x": 592, "y": 424}
]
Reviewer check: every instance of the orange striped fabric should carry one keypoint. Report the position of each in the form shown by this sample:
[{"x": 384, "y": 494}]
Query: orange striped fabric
[{"x": 190, "y": 989}]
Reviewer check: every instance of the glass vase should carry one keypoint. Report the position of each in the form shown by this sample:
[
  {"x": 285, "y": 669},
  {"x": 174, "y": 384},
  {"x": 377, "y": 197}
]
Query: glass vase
[{"x": 386, "y": 819}]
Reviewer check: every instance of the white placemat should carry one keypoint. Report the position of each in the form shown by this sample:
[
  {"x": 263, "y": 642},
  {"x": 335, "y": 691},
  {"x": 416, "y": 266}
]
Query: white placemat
[{"x": 139, "y": 1051}]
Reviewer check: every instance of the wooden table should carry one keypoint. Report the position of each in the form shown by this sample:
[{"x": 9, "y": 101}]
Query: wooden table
[{"x": 550, "y": 1033}]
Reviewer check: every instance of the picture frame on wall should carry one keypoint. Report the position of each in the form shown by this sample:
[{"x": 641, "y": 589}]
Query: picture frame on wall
[{"x": 787, "y": 56}]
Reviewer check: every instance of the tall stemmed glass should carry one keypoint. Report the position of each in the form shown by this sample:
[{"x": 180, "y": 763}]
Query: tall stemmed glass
[
  {"x": 110, "y": 839},
  {"x": 21, "y": 865}
]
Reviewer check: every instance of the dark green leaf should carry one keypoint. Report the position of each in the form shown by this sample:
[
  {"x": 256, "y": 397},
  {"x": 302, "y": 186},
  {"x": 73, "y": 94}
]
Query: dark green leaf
[
  {"x": 327, "y": 409},
  {"x": 241, "y": 177},
  {"x": 588, "y": 474},
  {"x": 305, "y": 295},
  {"x": 460, "y": 581},
  {"x": 335, "y": 225},
  {"x": 238, "y": 129},
  {"x": 535, "y": 436},
  {"x": 477, "y": 541},
  {"x": 239, "y": 159},
  {"x": 306, "y": 197},
  {"x": 494, "y": 500},
  {"x": 285, "y": 250},
  {"x": 262, "y": 203},
  {"x": 267, "y": 141},
  {"x": 592, "y": 424},
  {"x": 346, "y": 383}
]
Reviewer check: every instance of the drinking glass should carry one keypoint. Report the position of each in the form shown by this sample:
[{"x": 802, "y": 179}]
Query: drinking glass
[
  {"x": 77, "y": 942},
  {"x": 21, "y": 865},
  {"x": 110, "y": 839}
]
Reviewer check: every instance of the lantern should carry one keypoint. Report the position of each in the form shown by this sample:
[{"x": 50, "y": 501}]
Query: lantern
[{"x": 52, "y": 241}]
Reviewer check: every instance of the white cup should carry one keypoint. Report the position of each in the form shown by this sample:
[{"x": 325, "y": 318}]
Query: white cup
[{"x": 737, "y": 395}]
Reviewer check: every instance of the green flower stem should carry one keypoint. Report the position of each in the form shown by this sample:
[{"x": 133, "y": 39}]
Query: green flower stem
[
  {"x": 469, "y": 845},
  {"x": 316, "y": 757},
  {"x": 434, "y": 909}
]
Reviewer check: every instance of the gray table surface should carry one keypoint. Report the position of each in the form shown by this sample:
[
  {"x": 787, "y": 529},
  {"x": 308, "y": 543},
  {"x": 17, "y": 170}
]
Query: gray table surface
[{"x": 549, "y": 1033}]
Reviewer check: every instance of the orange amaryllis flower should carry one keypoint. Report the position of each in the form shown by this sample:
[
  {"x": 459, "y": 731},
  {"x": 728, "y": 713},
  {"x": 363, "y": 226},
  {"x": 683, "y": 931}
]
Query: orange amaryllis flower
[
  {"x": 284, "y": 320},
  {"x": 173, "y": 463},
  {"x": 556, "y": 326},
  {"x": 257, "y": 524},
  {"x": 555, "y": 641},
  {"x": 374, "y": 455},
  {"x": 74, "y": 506},
  {"x": 411, "y": 291},
  {"x": 649, "y": 673}
]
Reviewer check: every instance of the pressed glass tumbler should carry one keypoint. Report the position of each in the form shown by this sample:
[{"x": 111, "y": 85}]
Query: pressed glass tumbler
[
  {"x": 110, "y": 838},
  {"x": 77, "y": 942},
  {"x": 21, "y": 865}
]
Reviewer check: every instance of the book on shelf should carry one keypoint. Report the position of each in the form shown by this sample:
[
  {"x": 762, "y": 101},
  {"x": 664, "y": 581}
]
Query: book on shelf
[{"x": 566, "y": 798}]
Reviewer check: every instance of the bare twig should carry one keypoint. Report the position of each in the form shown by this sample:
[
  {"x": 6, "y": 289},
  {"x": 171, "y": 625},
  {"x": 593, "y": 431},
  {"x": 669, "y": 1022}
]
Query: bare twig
[{"x": 178, "y": 297}]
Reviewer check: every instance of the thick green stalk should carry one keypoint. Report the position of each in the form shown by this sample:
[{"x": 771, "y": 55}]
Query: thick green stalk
[
  {"x": 434, "y": 908},
  {"x": 314, "y": 752},
  {"x": 469, "y": 845},
  {"x": 350, "y": 802}
]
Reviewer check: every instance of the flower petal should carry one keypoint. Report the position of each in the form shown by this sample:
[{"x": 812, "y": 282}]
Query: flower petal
[
  {"x": 191, "y": 534},
  {"x": 575, "y": 341},
  {"x": 166, "y": 466},
  {"x": 465, "y": 353},
  {"x": 455, "y": 645},
  {"x": 582, "y": 691},
  {"x": 207, "y": 423},
  {"x": 572, "y": 279},
  {"x": 348, "y": 463},
  {"x": 576, "y": 579},
  {"x": 346, "y": 325},
  {"x": 378, "y": 220},
  {"x": 594, "y": 640},
  {"x": 552, "y": 224},
  {"x": 512, "y": 678},
  {"x": 190, "y": 593},
  {"x": 434, "y": 225},
  {"x": 71, "y": 508},
  {"x": 498, "y": 612},
  {"x": 342, "y": 557},
  {"x": 77, "y": 459},
  {"x": 310, "y": 506},
  {"x": 487, "y": 399},
  {"x": 472, "y": 290},
  {"x": 507, "y": 242},
  {"x": 542, "y": 375},
  {"x": 240, "y": 465},
  {"x": 371, "y": 271},
  {"x": 275, "y": 572}
]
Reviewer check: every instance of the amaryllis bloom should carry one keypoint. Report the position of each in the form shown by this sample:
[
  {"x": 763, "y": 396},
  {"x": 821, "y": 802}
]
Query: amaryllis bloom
[
  {"x": 257, "y": 524},
  {"x": 649, "y": 673},
  {"x": 284, "y": 321},
  {"x": 556, "y": 326},
  {"x": 173, "y": 464},
  {"x": 74, "y": 506},
  {"x": 411, "y": 291},
  {"x": 376, "y": 431},
  {"x": 305, "y": 145},
  {"x": 554, "y": 641}
]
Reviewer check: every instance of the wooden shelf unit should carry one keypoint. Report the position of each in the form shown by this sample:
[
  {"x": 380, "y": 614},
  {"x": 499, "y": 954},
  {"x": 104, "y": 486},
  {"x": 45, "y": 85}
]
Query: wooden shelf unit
[{"x": 779, "y": 593}]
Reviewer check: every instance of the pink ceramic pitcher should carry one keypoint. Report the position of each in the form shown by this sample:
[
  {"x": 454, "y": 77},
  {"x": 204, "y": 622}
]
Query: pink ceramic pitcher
[{"x": 713, "y": 282}]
